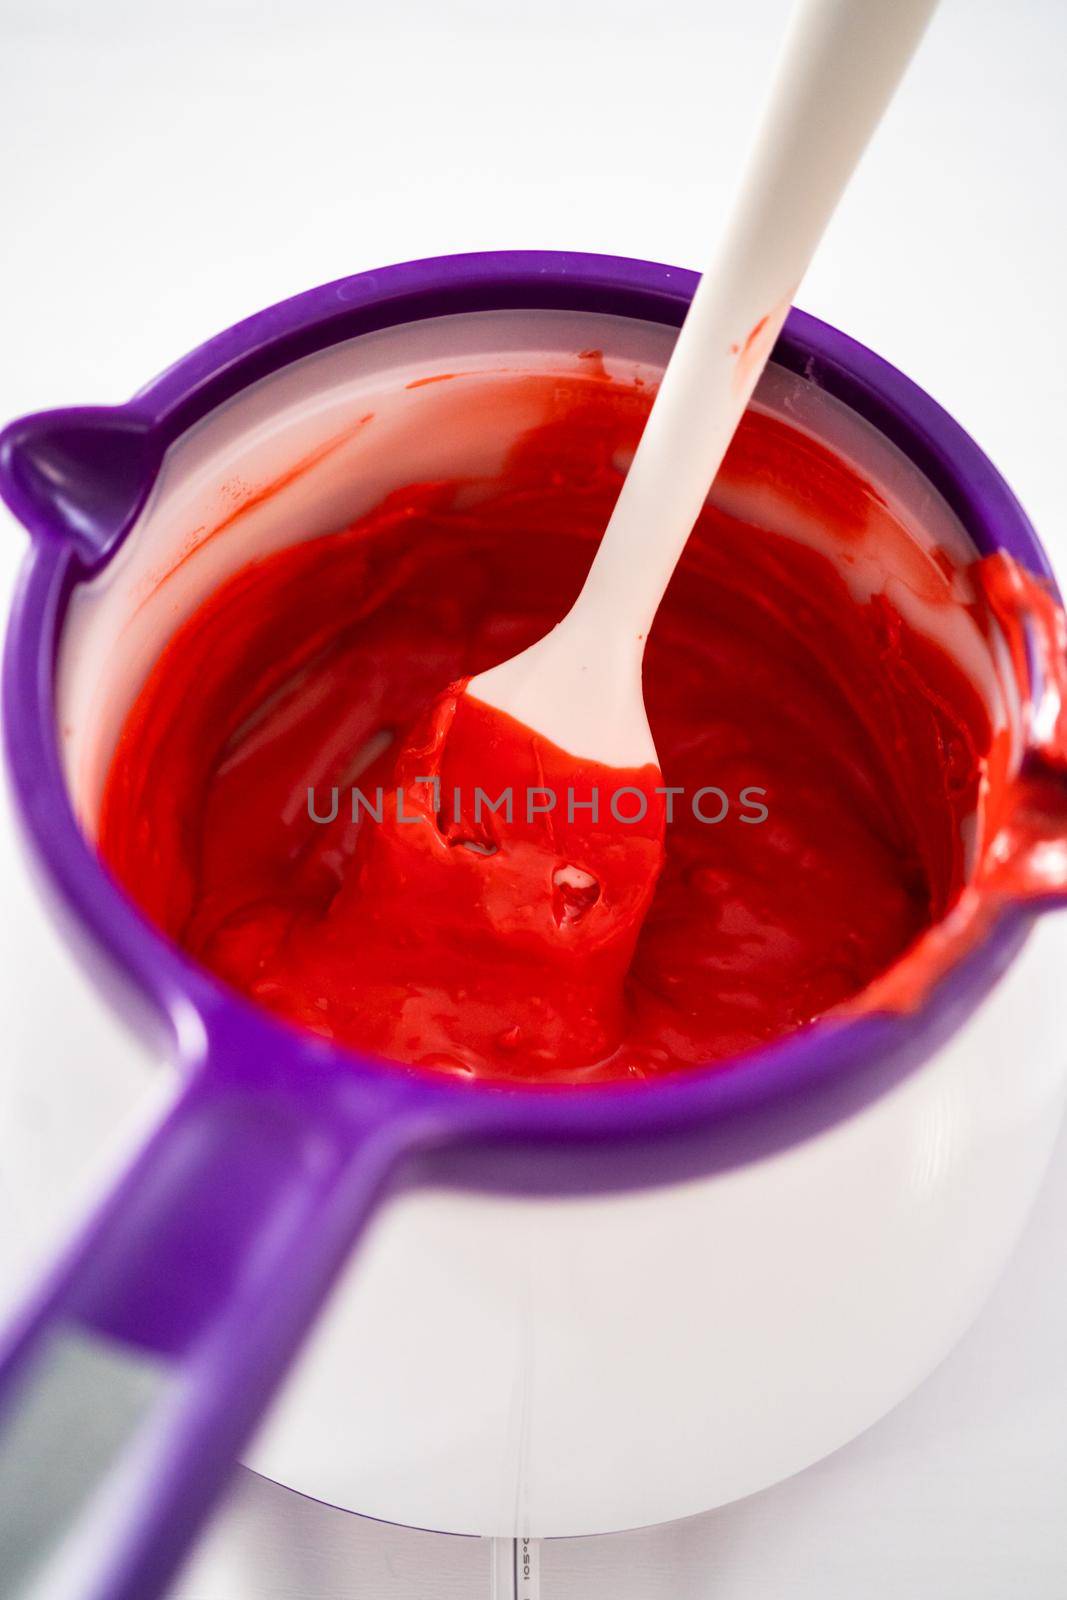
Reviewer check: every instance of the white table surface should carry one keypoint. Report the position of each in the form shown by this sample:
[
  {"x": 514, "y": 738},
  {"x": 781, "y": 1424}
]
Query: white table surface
[{"x": 169, "y": 168}]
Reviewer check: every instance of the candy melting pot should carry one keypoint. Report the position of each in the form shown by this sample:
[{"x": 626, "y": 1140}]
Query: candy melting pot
[{"x": 278, "y": 1148}]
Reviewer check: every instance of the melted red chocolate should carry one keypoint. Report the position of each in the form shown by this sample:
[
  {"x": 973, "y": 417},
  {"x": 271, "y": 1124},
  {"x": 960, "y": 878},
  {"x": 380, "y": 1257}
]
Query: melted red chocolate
[{"x": 843, "y": 752}]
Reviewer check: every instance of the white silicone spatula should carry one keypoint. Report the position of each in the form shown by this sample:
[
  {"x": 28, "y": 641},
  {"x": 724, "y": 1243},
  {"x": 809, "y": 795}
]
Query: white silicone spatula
[{"x": 580, "y": 685}]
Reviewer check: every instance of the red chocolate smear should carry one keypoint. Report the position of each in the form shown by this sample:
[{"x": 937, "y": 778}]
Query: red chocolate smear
[{"x": 437, "y": 377}]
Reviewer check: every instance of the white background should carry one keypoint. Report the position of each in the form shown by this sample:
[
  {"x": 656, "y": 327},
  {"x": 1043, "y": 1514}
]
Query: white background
[{"x": 168, "y": 169}]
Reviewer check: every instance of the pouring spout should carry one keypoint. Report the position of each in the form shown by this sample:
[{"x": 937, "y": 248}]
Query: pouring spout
[
  {"x": 1025, "y": 858},
  {"x": 81, "y": 474},
  {"x": 1028, "y": 857}
]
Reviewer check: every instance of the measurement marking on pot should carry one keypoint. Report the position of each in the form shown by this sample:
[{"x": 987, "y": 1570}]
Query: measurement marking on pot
[{"x": 527, "y": 1569}]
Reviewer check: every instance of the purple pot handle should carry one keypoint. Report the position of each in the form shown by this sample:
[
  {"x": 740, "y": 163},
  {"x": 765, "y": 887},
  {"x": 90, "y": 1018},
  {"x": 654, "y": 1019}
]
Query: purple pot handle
[{"x": 144, "y": 1364}]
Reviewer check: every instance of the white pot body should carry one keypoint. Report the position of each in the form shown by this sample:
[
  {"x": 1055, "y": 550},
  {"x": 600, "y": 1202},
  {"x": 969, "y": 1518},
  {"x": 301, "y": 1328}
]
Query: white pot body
[{"x": 550, "y": 1366}]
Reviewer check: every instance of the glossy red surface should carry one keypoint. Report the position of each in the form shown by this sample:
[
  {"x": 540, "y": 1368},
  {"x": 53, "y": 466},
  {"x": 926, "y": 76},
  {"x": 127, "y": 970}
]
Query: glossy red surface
[{"x": 843, "y": 752}]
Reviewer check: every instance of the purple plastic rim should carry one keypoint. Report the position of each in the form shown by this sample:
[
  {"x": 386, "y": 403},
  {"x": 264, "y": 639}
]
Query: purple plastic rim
[{"x": 526, "y": 1140}]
